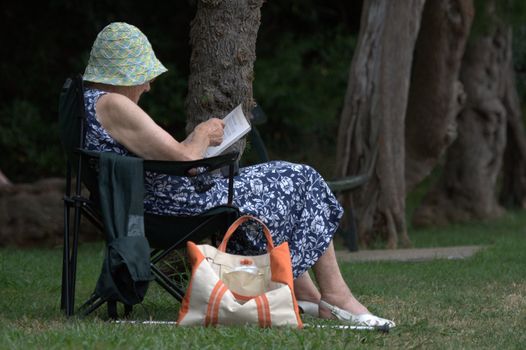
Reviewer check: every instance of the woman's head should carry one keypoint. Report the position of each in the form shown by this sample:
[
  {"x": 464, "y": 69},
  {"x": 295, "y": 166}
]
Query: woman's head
[{"x": 122, "y": 56}]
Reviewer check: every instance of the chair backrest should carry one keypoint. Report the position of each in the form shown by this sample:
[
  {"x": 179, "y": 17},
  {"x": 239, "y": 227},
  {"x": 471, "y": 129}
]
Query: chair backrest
[
  {"x": 71, "y": 116},
  {"x": 72, "y": 125}
]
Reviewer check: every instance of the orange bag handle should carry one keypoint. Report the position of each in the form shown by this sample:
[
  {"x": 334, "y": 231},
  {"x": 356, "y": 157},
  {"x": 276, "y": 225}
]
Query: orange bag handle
[{"x": 235, "y": 225}]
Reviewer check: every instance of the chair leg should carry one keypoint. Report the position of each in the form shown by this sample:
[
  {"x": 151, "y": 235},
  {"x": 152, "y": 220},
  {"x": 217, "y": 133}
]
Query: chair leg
[
  {"x": 165, "y": 283},
  {"x": 73, "y": 260},
  {"x": 128, "y": 309},
  {"x": 112, "y": 309},
  {"x": 92, "y": 304},
  {"x": 64, "y": 300},
  {"x": 350, "y": 235},
  {"x": 113, "y": 312},
  {"x": 159, "y": 254}
]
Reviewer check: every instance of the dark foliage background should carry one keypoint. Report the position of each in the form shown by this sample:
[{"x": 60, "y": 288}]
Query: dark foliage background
[{"x": 304, "y": 50}]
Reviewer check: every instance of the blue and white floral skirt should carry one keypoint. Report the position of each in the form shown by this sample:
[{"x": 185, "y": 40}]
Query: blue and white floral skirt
[{"x": 293, "y": 200}]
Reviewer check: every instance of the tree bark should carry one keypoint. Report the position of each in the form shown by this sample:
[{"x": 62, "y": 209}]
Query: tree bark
[
  {"x": 513, "y": 190},
  {"x": 467, "y": 187},
  {"x": 223, "y": 39},
  {"x": 436, "y": 96},
  {"x": 372, "y": 120}
]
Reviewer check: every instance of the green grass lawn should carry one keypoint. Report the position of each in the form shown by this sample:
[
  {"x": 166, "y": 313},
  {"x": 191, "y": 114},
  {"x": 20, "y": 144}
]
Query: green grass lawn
[{"x": 475, "y": 303}]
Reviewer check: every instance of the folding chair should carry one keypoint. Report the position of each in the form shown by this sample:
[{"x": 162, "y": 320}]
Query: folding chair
[
  {"x": 340, "y": 185},
  {"x": 164, "y": 233}
]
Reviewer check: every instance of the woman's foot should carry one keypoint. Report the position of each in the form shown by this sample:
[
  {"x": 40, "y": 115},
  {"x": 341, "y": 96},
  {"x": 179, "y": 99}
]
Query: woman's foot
[
  {"x": 356, "y": 319},
  {"x": 309, "y": 308},
  {"x": 310, "y": 305},
  {"x": 347, "y": 303},
  {"x": 305, "y": 289}
]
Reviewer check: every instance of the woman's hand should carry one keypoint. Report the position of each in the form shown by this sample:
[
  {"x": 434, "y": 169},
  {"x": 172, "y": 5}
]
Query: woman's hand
[
  {"x": 205, "y": 134},
  {"x": 213, "y": 129}
]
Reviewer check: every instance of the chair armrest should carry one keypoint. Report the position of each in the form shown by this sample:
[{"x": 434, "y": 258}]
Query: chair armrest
[
  {"x": 178, "y": 168},
  {"x": 182, "y": 168},
  {"x": 348, "y": 183}
]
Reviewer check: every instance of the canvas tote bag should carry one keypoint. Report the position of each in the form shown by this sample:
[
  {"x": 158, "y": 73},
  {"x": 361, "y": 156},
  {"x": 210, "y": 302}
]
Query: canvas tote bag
[{"x": 228, "y": 289}]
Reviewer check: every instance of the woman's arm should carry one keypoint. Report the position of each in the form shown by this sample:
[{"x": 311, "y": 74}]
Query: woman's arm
[{"x": 129, "y": 125}]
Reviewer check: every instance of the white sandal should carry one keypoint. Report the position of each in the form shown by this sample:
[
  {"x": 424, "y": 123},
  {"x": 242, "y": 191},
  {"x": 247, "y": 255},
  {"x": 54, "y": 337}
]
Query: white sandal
[
  {"x": 309, "y": 308},
  {"x": 366, "y": 319}
]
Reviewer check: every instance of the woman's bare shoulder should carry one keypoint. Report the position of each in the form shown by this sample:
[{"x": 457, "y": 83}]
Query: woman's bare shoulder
[
  {"x": 114, "y": 100},
  {"x": 115, "y": 108}
]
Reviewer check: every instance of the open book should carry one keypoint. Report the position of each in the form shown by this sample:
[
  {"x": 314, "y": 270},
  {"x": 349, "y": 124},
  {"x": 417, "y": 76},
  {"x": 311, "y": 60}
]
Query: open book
[{"x": 236, "y": 126}]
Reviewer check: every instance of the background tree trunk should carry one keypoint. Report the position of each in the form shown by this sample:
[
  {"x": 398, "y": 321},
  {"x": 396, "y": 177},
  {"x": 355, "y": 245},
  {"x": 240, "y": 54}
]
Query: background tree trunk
[
  {"x": 372, "y": 120},
  {"x": 467, "y": 187},
  {"x": 513, "y": 191},
  {"x": 436, "y": 96},
  {"x": 223, "y": 39}
]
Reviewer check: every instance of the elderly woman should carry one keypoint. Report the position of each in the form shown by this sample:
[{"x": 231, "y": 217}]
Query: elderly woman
[{"x": 292, "y": 199}]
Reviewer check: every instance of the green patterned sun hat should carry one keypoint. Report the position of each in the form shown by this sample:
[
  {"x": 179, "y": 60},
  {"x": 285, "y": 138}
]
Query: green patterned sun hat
[{"x": 122, "y": 55}]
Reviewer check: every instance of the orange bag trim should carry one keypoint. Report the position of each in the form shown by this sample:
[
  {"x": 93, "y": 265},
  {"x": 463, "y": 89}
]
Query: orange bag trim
[
  {"x": 195, "y": 258},
  {"x": 266, "y": 309},
  {"x": 215, "y": 314},
  {"x": 211, "y": 303},
  {"x": 261, "y": 314},
  {"x": 279, "y": 259},
  {"x": 263, "y": 308},
  {"x": 237, "y": 223}
]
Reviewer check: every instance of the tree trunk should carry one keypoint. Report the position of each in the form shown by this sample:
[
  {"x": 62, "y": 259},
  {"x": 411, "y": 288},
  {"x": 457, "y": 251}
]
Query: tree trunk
[
  {"x": 436, "y": 96},
  {"x": 372, "y": 120},
  {"x": 223, "y": 39},
  {"x": 467, "y": 187},
  {"x": 513, "y": 191}
]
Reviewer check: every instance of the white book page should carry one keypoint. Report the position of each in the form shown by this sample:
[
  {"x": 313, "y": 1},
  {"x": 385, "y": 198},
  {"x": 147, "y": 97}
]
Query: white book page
[{"x": 236, "y": 126}]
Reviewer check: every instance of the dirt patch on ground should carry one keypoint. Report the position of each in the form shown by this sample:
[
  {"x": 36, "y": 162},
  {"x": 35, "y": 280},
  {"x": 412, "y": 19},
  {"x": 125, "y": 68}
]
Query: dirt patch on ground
[{"x": 416, "y": 254}]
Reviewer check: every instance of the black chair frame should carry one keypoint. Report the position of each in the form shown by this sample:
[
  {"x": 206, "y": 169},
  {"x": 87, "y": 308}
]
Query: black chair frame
[{"x": 81, "y": 173}]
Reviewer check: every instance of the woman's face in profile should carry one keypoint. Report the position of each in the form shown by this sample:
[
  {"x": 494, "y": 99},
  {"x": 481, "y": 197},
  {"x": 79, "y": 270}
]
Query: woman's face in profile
[{"x": 135, "y": 92}]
